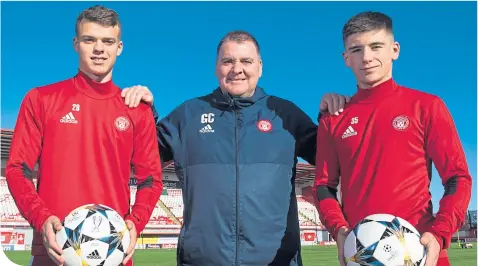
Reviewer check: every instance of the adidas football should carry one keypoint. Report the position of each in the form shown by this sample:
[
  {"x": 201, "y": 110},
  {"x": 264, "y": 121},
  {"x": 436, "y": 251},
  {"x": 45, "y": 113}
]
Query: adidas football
[
  {"x": 383, "y": 239},
  {"x": 93, "y": 235}
]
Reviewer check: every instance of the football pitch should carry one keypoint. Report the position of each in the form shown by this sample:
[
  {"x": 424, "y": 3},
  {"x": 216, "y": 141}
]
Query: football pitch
[{"x": 311, "y": 256}]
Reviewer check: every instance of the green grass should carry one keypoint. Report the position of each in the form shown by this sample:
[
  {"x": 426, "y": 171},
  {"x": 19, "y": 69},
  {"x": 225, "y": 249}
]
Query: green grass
[{"x": 312, "y": 256}]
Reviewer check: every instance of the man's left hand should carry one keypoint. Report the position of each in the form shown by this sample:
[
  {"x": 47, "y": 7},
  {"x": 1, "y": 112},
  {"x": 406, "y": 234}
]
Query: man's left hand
[
  {"x": 433, "y": 248},
  {"x": 133, "y": 237},
  {"x": 333, "y": 103},
  {"x": 135, "y": 94}
]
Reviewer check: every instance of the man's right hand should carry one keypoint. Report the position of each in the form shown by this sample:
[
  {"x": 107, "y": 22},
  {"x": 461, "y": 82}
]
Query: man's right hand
[
  {"x": 135, "y": 94},
  {"x": 341, "y": 236},
  {"x": 49, "y": 229},
  {"x": 333, "y": 103}
]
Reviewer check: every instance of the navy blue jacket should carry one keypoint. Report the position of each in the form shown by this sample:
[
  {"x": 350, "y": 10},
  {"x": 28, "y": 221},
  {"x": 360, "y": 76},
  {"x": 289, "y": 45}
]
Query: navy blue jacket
[{"x": 235, "y": 159}]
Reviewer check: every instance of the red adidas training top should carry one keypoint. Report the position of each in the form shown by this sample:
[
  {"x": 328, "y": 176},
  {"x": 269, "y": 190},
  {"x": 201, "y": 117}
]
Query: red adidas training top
[
  {"x": 85, "y": 140},
  {"x": 382, "y": 148}
]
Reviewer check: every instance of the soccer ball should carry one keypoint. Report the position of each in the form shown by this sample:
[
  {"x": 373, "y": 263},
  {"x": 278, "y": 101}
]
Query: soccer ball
[
  {"x": 384, "y": 239},
  {"x": 93, "y": 235}
]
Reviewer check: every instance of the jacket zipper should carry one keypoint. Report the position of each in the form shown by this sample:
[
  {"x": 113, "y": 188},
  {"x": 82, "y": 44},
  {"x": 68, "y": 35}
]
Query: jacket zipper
[{"x": 237, "y": 187}]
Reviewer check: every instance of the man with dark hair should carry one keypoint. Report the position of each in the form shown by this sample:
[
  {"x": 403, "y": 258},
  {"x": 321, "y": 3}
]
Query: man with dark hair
[
  {"x": 235, "y": 152},
  {"x": 85, "y": 141},
  {"x": 383, "y": 146},
  {"x": 101, "y": 16}
]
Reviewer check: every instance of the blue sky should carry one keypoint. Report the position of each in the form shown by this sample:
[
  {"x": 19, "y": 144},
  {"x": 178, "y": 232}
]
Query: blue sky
[{"x": 170, "y": 47}]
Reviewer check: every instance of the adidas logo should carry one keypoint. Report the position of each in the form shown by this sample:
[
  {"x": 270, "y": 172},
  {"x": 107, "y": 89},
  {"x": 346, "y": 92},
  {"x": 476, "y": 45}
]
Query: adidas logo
[
  {"x": 207, "y": 129},
  {"x": 95, "y": 255},
  {"x": 349, "y": 132},
  {"x": 69, "y": 119}
]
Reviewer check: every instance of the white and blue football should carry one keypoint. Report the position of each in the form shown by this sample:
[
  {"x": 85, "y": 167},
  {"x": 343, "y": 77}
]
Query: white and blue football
[
  {"x": 384, "y": 239},
  {"x": 93, "y": 235}
]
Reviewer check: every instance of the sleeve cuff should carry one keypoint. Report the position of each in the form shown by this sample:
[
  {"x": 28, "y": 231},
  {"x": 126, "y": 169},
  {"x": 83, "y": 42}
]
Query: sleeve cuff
[
  {"x": 137, "y": 223},
  {"x": 335, "y": 232},
  {"x": 439, "y": 238},
  {"x": 41, "y": 218}
]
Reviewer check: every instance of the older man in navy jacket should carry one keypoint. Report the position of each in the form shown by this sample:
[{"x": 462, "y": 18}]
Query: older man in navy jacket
[{"x": 235, "y": 152}]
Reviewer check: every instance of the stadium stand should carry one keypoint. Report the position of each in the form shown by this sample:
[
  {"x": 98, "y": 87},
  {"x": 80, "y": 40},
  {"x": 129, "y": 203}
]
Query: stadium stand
[
  {"x": 167, "y": 216},
  {"x": 169, "y": 209},
  {"x": 308, "y": 215},
  {"x": 163, "y": 228}
]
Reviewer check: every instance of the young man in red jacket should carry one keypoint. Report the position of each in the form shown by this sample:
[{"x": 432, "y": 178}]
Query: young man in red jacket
[
  {"x": 85, "y": 140},
  {"x": 383, "y": 145}
]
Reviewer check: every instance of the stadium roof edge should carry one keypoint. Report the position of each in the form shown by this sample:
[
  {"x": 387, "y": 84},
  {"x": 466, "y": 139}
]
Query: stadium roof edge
[{"x": 304, "y": 172}]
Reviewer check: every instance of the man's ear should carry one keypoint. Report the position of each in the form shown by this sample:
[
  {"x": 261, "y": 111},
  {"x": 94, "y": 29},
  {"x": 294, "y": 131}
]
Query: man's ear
[
  {"x": 395, "y": 50},
  {"x": 75, "y": 43},
  {"x": 345, "y": 56},
  {"x": 120, "y": 48},
  {"x": 260, "y": 68}
]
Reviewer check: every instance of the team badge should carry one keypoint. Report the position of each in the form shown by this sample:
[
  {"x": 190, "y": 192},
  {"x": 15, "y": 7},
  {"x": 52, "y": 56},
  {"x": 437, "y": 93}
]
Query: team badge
[
  {"x": 264, "y": 125},
  {"x": 401, "y": 122},
  {"x": 122, "y": 123}
]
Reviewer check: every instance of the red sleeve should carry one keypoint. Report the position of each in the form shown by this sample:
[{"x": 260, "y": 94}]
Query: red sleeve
[
  {"x": 147, "y": 170},
  {"x": 327, "y": 173},
  {"x": 444, "y": 148},
  {"x": 25, "y": 151}
]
